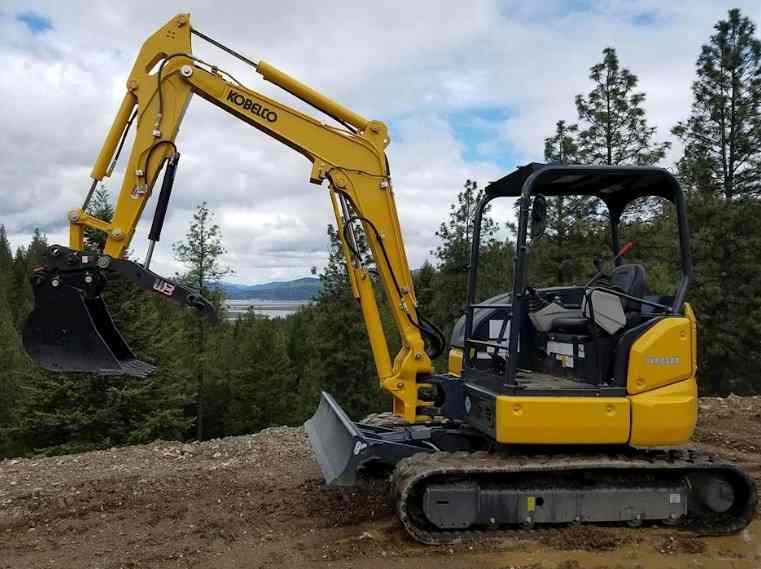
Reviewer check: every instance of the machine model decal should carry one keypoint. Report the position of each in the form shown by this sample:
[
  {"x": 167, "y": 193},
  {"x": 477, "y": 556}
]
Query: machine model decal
[
  {"x": 669, "y": 361},
  {"x": 164, "y": 287}
]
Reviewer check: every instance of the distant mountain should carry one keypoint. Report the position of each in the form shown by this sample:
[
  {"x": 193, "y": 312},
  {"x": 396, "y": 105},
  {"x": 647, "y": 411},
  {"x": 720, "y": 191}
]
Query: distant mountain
[{"x": 300, "y": 289}]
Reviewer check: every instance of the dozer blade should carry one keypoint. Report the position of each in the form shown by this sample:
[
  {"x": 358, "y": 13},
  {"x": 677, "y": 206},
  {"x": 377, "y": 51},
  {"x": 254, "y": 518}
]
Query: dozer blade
[
  {"x": 336, "y": 442},
  {"x": 342, "y": 447},
  {"x": 70, "y": 328},
  {"x": 67, "y": 332}
]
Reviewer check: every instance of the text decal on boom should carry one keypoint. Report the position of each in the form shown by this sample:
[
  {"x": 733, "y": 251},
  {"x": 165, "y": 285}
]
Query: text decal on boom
[{"x": 252, "y": 106}]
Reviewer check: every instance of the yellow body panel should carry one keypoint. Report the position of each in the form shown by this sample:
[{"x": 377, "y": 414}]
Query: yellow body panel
[
  {"x": 455, "y": 361},
  {"x": 665, "y": 416},
  {"x": 659, "y": 410},
  {"x": 690, "y": 314},
  {"x": 662, "y": 355},
  {"x": 562, "y": 420}
]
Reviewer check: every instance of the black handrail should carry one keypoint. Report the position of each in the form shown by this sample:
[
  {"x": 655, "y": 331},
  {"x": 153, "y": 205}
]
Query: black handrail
[
  {"x": 475, "y": 249},
  {"x": 486, "y": 343},
  {"x": 634, "y": 299}
]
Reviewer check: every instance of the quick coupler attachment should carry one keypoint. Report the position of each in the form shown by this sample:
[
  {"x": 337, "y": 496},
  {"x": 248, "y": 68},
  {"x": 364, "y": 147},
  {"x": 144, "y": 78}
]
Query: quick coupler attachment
[
  {"x": 70, "y": 328},
  {"x": 343, "y": 448}
]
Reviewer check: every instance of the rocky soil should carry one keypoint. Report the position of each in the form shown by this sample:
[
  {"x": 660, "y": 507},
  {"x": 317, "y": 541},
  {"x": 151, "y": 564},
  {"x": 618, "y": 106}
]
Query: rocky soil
[{"x": 256, "y": 502}]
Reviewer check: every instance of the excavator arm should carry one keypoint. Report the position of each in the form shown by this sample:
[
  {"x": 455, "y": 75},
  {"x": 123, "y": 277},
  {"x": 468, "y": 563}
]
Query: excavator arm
[{"x": 350, "y": 158}]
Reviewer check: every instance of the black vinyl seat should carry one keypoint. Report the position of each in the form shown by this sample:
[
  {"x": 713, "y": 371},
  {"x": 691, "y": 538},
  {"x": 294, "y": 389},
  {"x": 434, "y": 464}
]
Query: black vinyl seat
[
  {"x": 629, "y": 279},
  {"x": 632, "y": 280}
]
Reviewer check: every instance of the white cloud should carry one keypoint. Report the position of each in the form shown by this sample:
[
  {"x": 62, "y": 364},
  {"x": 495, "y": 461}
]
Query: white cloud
[{"x": 412, "y": 65}]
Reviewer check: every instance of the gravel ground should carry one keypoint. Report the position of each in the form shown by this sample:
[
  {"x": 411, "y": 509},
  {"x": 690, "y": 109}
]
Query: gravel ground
[{"x": 257, "y": 501}]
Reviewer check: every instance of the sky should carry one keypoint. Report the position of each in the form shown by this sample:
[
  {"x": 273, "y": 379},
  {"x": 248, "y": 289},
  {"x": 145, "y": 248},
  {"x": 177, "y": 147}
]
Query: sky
[{"x": 469, "y": 90}]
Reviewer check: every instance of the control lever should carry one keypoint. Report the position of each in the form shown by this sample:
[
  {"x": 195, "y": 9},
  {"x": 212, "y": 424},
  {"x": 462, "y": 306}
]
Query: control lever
[{"x": 600, "y": 265}]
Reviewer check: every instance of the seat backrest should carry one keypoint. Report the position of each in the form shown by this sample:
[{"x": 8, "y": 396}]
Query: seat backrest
[
  {"x": 631, "y": 279},
  {"x": 606, "y": 310}
]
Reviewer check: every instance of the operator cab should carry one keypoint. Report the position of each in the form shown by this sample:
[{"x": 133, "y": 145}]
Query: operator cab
[{"x": 571, "y": 340}]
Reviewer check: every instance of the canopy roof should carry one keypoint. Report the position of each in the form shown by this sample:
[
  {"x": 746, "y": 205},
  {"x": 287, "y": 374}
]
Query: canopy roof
[{"x": 617, "y": 186}]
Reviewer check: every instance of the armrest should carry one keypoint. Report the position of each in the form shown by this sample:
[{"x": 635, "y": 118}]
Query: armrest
[{"x": 636, "y": 299}]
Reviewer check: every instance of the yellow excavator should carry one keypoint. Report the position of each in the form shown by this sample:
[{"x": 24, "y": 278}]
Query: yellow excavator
[{"x": 561, "y": 405}]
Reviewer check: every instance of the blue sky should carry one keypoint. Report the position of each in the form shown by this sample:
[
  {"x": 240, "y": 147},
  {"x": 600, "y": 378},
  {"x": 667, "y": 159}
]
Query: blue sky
[
  {"x": 476, "y": 130},
  {"x": 469, "y": 92},
  {"x": 35, "y": 22}
]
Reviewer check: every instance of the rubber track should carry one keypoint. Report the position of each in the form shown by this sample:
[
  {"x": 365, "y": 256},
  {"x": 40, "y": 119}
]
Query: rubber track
[{"x": 411, "y": 472}]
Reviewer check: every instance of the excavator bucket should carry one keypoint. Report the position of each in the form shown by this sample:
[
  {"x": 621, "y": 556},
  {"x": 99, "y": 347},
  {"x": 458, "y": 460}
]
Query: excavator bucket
[
  {"x": 342, "y": 448},
  {"x": 70, "y": 328},
  {"x": 68, "y": 332}
]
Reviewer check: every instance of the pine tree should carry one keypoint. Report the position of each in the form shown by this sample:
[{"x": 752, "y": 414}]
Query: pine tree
[
  {"x": 338, "y": 357},
  {"x": 158, "y": 332},
  {"x": 12, "y": 367},
  {"x": 562, "y": 146},
  {"x": 613, "y": 130},
  {"x": 722, "y": 136},
  {"x": 299, "y": 346},
  {"x": 453, "y": 255},
  {"x": 456, "y": 233},
  {"x": 62, "y": 413},
  {"x": 727, "y": 292},
  {"x": 6, "y": 265},
  {"x": 424, "y": 287},
  {"x": 570, "y": 224},
  {"x": 100, "y": 207},
  {"x": 615, "y": 124},
  {"x": 262, "y": 382},
  {"x": 721, "y": 168},
  {"x": 201, "y": 252},
  {"x": 37, "y": 249},
  {"x": 20, "y": 296}
]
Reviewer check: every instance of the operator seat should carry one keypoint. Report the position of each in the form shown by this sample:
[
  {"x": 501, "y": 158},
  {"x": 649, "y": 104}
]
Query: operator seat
[{"x": 630, "y": 279}]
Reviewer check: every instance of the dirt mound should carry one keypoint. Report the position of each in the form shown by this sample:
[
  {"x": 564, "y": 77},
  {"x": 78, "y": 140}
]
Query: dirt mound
[
  {"x": 587, "y": 538},
  {"x": 257, "y": 501}
]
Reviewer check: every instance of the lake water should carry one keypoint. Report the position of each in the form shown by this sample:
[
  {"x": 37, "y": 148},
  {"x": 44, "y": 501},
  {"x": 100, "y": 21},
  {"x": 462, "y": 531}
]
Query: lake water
[{"x": 271, "y": 308}]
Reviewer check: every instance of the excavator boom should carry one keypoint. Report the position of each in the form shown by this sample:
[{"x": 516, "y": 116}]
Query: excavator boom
[{"x": 70, "y": 319}]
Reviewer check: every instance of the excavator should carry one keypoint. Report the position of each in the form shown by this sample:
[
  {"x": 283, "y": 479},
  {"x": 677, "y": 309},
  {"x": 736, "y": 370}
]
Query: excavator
[{"x": 561, "y": 405}]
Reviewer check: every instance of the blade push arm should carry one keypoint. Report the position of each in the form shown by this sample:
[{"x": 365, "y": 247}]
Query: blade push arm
[{"x": 352, "y": 160}]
